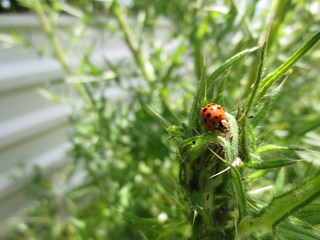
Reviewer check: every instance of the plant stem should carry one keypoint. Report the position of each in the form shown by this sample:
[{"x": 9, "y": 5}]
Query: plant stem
[
  {"x": 144, "y": 65},
  {"x": 57, "y": 49}
]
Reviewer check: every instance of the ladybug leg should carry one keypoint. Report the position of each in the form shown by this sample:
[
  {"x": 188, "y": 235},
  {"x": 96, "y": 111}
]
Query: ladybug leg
[{"x": 223, "y": 126}]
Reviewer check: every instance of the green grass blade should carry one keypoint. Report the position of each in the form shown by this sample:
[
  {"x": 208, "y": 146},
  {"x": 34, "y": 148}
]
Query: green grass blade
[
  {"x": 273, "y": 77},
  {"x": 280, "y": 207}
]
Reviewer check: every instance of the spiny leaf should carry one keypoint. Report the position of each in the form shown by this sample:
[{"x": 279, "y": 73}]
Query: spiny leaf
[
  {"x": 269, "y": 164},
  {"x": 266, "y": 105},
  {"x": 280, "y": 207},
  {"x": 273, "y": 77},
  {"x": 239, "y": 192},
  {"x": 271, "y": 148}
]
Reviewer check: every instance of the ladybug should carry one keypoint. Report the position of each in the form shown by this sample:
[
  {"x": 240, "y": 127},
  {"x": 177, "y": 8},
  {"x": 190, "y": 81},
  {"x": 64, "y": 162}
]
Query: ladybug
[{"x": 214, "y": 118}]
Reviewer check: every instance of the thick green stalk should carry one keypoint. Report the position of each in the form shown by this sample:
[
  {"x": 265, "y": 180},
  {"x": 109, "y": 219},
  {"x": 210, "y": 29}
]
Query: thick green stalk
[{"x": 280, "y": 208}]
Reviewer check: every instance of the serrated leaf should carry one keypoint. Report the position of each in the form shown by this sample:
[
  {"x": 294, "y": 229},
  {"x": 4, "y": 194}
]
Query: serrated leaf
[
  {"x": 295, "y": 229},
  {"x": 273, "y": 77}
]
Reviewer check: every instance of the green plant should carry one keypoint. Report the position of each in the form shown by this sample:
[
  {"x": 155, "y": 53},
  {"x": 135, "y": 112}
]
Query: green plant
[
  {"x": 137, "y": 184},
  {"x": 218, "y": 205}
]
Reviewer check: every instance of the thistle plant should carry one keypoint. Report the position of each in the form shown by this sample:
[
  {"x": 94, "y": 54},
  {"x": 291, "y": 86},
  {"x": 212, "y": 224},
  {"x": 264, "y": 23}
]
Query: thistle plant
[
  {"x": 255, "y": 181},
  {"x": 218, "y": 202}
]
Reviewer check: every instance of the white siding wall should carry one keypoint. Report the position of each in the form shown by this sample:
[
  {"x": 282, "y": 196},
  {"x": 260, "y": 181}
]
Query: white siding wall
[{"x": 32, "y": 129}]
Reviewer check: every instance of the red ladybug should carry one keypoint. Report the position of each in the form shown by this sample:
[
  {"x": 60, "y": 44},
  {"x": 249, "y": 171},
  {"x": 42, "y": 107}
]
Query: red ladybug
[{"x": 213, "y": 117}]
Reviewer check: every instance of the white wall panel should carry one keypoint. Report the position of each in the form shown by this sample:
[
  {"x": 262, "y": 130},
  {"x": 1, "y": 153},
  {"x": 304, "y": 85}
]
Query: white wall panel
[{"x": 33, "y": 130}]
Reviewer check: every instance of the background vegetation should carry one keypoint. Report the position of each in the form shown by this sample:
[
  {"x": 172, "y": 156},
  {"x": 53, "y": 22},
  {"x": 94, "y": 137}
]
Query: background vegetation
[{"x": 133, "y": 187}]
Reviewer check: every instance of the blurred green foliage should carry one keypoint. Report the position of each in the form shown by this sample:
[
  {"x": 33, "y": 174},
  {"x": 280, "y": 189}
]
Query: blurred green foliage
[{"x": 130, "y": 188}]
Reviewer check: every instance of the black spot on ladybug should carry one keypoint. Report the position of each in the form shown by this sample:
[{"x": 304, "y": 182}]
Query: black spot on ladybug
[
  {"x": 204, "y": 109},
  {"x": 193, "y": 142},
  {"x": 220, "y": 115},
  {"x": 205, "y": 120},
  {"x": 208, "y": 115},
  {"x": 216, "y": 117},
  {"x": 219, "y": 107}
]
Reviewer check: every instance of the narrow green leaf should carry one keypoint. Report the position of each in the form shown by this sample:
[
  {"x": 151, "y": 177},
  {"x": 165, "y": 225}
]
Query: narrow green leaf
[
  {"x": 256, "y": 175},
  {"x": 227, "y": 64},
  {"x": 221, "y": 89},
  {"x": 241, "y": 199},
  {"x": 255, "y": 87},
  {"x": 280, "y": 207},
  {"x": 166, "y": 124},
  {"x": 269, "y": 164},
  {"x": 273, "y": 77},
  {"x": 53, "y": 97},
  {"x": 266, "y": 106},
  {"x": 176, "y": 131},
  {"x": 150, "y": 225},
  {"x": 197, "y": 103}
]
